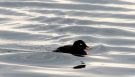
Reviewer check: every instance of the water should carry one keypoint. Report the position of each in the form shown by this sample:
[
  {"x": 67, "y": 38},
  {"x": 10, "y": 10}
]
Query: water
[{"x": 31, "y": 29}]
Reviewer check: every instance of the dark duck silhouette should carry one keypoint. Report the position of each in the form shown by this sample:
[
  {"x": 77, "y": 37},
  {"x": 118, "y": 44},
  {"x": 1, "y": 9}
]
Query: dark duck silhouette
[{"x": 77, "y": 49}]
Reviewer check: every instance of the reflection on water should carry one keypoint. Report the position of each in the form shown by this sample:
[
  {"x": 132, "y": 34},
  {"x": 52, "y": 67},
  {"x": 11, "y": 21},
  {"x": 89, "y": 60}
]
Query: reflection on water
[
  {"x": 82, "y": 65},
  {"x": 31, "y": 29}
]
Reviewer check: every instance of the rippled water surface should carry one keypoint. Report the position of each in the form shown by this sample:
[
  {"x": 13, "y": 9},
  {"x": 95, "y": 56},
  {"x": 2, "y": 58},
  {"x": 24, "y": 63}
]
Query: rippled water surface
[{"x": 31, "y": 29}]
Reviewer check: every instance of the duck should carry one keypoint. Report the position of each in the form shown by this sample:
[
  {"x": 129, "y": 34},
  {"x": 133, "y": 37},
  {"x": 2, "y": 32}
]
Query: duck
[{"x": 78, "y": 48}]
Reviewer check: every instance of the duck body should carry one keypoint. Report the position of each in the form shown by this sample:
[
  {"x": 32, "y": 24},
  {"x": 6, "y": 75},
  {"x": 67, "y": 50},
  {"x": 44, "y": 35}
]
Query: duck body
[{"x": 76, "y": 49}]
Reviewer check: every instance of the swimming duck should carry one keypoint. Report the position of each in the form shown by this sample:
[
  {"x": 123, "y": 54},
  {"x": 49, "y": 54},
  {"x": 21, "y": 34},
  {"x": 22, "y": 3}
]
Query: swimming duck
[{"x": 76, "y": 49}]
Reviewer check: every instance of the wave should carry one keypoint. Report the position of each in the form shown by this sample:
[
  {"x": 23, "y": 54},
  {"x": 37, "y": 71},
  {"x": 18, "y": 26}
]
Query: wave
[{"x": 32, "y": 29}]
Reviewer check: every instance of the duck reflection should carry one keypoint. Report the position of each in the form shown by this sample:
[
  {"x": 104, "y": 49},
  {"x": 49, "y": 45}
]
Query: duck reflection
[{"x": 80, "y": 66}]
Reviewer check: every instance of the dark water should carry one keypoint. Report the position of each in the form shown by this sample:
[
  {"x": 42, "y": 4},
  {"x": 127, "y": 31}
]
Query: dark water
[{"x": 31, "y": 29}]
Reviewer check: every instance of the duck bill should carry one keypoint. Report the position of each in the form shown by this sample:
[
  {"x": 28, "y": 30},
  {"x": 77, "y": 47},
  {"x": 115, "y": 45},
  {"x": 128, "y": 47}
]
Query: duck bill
[{"x": 88, "y": 48}]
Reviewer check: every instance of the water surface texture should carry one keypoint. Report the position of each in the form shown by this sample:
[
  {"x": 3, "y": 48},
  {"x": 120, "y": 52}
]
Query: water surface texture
[{"x": 31, "y": 29}]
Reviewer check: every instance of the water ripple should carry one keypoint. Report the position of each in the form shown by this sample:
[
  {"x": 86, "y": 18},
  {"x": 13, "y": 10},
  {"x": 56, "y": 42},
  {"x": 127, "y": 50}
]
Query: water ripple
[{"x": 31, "y": 29}]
